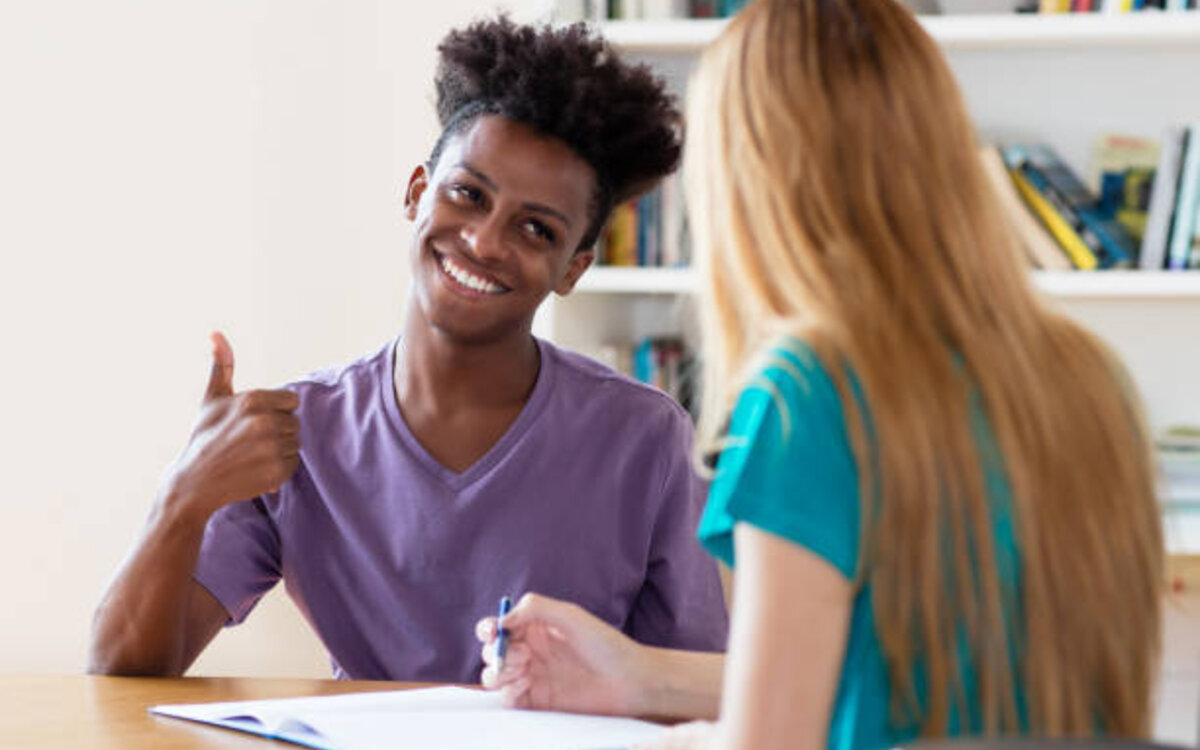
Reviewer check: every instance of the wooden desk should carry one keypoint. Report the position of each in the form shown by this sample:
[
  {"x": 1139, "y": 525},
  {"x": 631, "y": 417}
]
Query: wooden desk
[{"x": 48, "y": 713}]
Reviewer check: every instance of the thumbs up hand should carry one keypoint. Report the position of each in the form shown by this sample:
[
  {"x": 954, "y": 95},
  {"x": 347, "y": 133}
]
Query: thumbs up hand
[
  {"x": 220, "y": 381},
  {"x": 242, "y": 445}
]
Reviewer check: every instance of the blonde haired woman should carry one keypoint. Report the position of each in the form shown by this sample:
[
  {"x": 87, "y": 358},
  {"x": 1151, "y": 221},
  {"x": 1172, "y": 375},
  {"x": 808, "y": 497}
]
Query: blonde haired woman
[{"x": 936, "y": 492}]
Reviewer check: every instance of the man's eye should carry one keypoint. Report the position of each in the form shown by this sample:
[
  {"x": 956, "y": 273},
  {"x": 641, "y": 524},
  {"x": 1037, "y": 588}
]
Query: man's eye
[
  {"x": 465, "y": 193},
  {"x": 539, "y": 230}
]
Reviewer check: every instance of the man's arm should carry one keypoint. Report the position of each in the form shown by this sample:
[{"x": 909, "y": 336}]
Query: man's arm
[
  {"x": 681, "y": 604},
  {"x": 154, "y": 619}
]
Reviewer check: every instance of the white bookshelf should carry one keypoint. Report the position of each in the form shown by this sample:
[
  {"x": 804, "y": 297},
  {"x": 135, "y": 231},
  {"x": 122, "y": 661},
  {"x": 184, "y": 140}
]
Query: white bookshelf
[
  {"x": 634, "y": 280},
  {"x": 1120, "y": 285},
  {"x": 1062, "y": 80},
  {"x": 1015, "y": 31},
  {"x": 1112, "y": 285}
]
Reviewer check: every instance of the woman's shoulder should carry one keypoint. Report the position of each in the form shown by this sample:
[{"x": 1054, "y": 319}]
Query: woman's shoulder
[{"x": 788, "y": 378}]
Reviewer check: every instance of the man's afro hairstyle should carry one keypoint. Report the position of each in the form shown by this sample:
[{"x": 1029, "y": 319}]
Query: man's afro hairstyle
[{"x": 566, "y": 83}]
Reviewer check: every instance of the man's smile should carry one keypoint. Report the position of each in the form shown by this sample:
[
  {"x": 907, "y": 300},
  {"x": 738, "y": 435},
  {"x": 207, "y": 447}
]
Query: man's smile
[{"x": 468, "y": 280}]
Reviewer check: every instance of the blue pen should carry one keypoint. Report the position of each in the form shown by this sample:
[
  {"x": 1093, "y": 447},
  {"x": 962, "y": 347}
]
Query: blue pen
[{"x": 501, "y": 633}]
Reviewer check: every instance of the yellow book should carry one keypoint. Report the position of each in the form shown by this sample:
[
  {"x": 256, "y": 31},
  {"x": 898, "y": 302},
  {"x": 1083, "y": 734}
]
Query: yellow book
[
  {"x": 1081, "y": 255},
  {"x": 1040, "y": 247},
  {"x": 621, "y": 242}
]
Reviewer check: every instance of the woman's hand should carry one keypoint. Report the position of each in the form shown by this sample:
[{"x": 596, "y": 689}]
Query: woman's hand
[{"x": 560, "y": 657}]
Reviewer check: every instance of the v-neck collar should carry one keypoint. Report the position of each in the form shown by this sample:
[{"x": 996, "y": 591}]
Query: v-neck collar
[{"x": 459, "y": 480}]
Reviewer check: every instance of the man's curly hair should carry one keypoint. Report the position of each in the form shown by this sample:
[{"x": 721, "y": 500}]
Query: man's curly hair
[{"x": 566, "y": 83}]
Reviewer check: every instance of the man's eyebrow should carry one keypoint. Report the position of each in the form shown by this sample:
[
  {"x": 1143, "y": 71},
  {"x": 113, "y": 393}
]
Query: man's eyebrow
[
  {"x": 487, "y": 181},
  {"x": 540, "y": 208}
]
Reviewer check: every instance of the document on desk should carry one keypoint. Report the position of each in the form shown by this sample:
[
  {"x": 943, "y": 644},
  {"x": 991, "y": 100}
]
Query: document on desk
[{"x": 446, "y": 718}]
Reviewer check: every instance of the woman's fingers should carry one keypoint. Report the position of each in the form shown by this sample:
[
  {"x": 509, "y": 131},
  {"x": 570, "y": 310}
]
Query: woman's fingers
[
  {"x": 485, "y": 629},
  {"x": 515, "y": 667},
  {"x": 516, "y": 694},
  {"x": 517, "y": 658},
  {"x": 489, "y": 677}
]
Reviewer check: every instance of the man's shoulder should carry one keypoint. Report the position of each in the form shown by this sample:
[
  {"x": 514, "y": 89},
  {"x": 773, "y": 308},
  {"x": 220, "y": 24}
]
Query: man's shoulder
[
  {"x": 333, "y": 386},
  {"x": 582, "y": 380}
]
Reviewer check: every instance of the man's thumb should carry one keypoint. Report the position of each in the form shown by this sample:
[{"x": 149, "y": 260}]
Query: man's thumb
[{"x": 220, "y": 380}]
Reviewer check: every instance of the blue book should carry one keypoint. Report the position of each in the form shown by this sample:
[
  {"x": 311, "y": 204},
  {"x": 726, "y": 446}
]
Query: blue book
[
  {"x": 644, "y": 362},
  {"x": 1104, "y": 235}
]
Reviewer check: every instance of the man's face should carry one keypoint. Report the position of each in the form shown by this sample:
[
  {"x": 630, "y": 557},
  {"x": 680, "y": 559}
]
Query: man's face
[{"x": 497, "y": 225}]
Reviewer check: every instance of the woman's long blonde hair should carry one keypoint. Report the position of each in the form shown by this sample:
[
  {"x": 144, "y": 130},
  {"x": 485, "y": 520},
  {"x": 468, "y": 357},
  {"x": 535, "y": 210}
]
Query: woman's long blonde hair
[{"x": 836, "y": 196}]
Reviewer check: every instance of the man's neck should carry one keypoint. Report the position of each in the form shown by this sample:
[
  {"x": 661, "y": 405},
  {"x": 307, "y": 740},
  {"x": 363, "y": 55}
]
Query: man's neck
[{"x": 444, "y": 374}]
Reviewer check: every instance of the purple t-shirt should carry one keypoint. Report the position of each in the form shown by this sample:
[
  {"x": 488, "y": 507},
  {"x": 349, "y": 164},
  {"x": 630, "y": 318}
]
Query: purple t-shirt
[{"x": 589, "y": 497}]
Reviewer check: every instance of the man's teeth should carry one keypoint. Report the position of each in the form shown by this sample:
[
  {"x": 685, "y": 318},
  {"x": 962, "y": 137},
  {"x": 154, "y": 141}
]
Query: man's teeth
[{"x": 468, "y": 279}]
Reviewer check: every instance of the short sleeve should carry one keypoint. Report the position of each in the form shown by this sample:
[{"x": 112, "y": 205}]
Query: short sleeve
[
  {"x": 239, "y": 557},
  {"x": 788, "y": 467}
]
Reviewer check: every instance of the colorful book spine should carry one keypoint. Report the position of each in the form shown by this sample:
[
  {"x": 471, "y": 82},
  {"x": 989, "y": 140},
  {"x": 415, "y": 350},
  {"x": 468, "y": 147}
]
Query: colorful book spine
[
  {"x": 621, "y": 240},
  {"x": 650, "y": 231},
  {"x": 1188, "y": 204},
  {"x": 663, "y": 362},
  {"x": 1108, "y": 240},
  {"x": 1080, "y": 254},
  {"x": 1040, "y": 248}
]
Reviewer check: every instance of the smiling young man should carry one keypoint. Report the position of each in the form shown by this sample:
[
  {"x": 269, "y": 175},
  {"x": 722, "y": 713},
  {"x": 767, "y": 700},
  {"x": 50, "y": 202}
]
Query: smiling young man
[{"x": 399, "y": 497}]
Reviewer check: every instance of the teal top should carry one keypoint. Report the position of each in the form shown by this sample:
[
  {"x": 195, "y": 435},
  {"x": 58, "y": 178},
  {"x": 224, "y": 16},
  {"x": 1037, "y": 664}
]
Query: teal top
[{"x": 789, "y": 470}]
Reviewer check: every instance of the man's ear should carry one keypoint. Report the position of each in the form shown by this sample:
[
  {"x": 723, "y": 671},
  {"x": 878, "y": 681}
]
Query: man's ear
[
  {"x": 579, "y": 263},
  {"x": 416, "y": 188}
]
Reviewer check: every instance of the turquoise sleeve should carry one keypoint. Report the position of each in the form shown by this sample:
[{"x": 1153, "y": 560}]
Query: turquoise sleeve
[{"x": 788, "y": 468}]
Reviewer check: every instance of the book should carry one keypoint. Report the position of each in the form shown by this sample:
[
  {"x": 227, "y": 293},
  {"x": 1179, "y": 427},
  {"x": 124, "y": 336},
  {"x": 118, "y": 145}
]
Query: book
[
  {"x": 664, "y": 9},
  {"x": 620, "y": 238},
  {"x": 1122, "y": 173},
  {"x": 1194, "y": 252},
  {"x": 1063, "y": 232},
  {"x": 1163, "y": 195},
  {"x": 649, "y": 231},
  {"x": 570, "y": 11},
  {"x": 1039, "y": 246},
  {"x": 1187, "y": 204},
  {"x": 445, "y": 718},
  {"x": 1107, "y": 239}
]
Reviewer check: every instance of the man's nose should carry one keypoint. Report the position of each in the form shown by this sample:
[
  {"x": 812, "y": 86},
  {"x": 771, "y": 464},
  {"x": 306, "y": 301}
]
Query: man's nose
[{"x": 485, "y": 238}]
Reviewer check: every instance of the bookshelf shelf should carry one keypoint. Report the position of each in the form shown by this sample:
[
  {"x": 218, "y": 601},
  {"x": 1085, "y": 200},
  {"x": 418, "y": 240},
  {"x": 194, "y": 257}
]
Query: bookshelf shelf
[
  {"x": 1181, "y": 531},
  {"x": 1120, "y": 284},
  {"x": 1013, "y": 31},
  {"x": 1065, "y": 284},
  {"x": 634, "y": 280}
]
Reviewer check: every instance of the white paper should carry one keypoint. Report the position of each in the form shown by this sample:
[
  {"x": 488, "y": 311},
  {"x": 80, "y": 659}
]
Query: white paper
[{"x": 446, "y": 718}]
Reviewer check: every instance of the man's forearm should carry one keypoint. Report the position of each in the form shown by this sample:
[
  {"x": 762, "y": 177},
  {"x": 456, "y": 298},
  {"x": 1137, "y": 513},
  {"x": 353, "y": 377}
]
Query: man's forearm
[{"x": 140, "y": 623}]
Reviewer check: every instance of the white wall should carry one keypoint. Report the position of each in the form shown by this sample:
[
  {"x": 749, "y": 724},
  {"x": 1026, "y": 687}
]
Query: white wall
[{"x": 167, "y": 168}]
